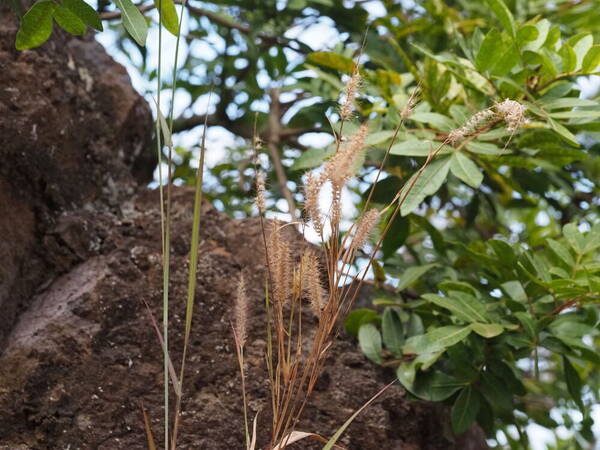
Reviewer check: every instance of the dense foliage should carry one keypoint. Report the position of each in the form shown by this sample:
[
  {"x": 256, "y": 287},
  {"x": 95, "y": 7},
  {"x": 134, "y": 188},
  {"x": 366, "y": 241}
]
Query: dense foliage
[{"x": 489, "y": 283}]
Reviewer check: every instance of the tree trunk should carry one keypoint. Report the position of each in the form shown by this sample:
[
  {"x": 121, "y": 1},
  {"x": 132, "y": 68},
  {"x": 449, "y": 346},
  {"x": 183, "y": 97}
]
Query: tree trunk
[{"x": 80, "y": 253}]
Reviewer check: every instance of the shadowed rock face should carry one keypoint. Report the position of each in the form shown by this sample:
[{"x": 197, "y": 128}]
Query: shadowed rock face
[{"x": 80, "y": 253}]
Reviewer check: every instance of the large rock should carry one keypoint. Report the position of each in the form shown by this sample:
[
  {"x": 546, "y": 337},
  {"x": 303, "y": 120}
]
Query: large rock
[{"x": 73, "y": 134}]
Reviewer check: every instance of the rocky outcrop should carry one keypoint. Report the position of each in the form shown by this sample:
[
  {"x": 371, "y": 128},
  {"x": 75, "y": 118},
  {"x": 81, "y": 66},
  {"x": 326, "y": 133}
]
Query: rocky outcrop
[{"x": 73, "y": 135}]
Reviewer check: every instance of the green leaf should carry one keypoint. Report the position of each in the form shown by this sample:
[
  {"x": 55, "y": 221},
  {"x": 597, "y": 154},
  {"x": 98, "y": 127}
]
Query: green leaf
[
  {"x": 495, "y": 390},
  {"x": 567, "y": 102},
  {"x": 436, "y": 340},
  {"x": 485, "y": 148},
  {"x": 591, "y": 61},
  {"x": 425, "y": 183},
  {"x": 490, "y": 51},
  {"x": 359, "y": 317},
  {"x": 417, "y": 148},
  {"x": 592, "y": 239},
  {"x": 85, "y": 12},
  {"x": 574, "y": 238},
  {"x": 514, "y": 289},
  {"x": 573, "y": 383},
  {"x": 414, "y": 326},
  {"x": 466, "y": 170},
  {"x": 526, "y": 34},
  {"x": 392, "y": 331},
  {"x": 369, "y": 341},
  {"x": 504, "y": 251},
  {"x": 169, "y": 15},
  {"x": 504, "y": 372},
  {"x": 332, "y": 61},
  {"x": 563, "y": 132},
  {"x": 396, "y": 236},
  {"x": 312, "y": 157},
  {"x": 464, "y": 410},
  {"x": 379, "y": 137},
  {"x": 581, "y": 43},
  {"x": 562, "y": 252},
  {"x": 528, "y": 324},
  {"x": 412, "y": 274},
  {"x": 543, "y": 27},
  {"x": 465, "y": 306},
  {"x": 36, "y": 25},
  {"x": 69, "y": 21},
  {"x": 487, "y": 330},
  {"x": 504, "y": 15},
  {"x": 436, "y": 120},
  {"x": 568, "y": 57},
  {"x": 433, "y": 386},
  {"x": 577, "y": 114},
  {"x": 133, "y": 20}
]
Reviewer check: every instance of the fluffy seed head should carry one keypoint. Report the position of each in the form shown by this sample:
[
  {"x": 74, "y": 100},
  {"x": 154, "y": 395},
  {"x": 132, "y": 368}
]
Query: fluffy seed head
[
  {"x": 339, "y": 168},
  {"x": 351, "y": 89},
  {"x": 280, "y": 261},
  {"x": 512, "y": 112},
  {"x": 311, "y": 200},
  {"x": 260, "y": 192},
  {"x": 476, "y": 121},
  {"x": 311, "y": 281},
  {"x": 241, "y": 312},
  {"x": 364, "y": 228},
  {"x": 407, "y": 109}
]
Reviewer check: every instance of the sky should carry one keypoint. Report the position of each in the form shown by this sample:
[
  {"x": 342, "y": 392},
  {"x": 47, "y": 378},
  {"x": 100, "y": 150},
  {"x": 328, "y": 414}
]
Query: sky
[{"x": 320, "y": 36}]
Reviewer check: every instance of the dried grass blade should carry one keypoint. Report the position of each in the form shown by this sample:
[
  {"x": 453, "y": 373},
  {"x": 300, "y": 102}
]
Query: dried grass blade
[
  {"x": 148, "y": 428},
  {"x": 295, "y": 436},
  {"x": 254, "y": 433}
]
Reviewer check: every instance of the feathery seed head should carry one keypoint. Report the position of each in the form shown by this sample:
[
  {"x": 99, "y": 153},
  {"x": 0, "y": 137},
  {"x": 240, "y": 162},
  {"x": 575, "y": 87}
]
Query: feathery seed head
[
  {"x": 339, "y": 168},
  {"x": 364, "y": 228},
  {"x": 476, "y": 121},
  {"x": 311, "y": 200},
  {"x": 280, "y": 261},
  {"x": 260, "y": 192},
  {"x": 407, "y": 109},
  {"x": 311, "y": 281},
  {"x": 351, "y": 89},
  {"x": 512, "y": 112}
]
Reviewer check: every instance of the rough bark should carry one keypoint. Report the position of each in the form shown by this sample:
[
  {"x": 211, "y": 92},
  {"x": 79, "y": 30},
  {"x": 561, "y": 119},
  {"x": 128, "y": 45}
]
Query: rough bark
[{"x": 80, "y": 254}]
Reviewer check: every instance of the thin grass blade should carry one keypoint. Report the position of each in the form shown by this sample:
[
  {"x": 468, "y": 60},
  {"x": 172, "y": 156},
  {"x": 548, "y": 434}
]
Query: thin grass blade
[
  {"x": 172, "y": 372},
  {"x": 148, "y": 428}
]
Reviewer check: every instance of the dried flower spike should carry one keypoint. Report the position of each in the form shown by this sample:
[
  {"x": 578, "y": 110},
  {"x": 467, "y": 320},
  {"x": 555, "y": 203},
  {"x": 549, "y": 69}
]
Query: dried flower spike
[
  {"x": 364, "y": 228},
  {"x": 280, "y": 261},
  {"x": 260, "y": 192},
  {"x": 339, "y": 168},
  {"x": 311, "y": 200},
  {"x": 512, "y": 112},
  {"x": 311, "y": 281},
  {"x": 351, "y": 89}
]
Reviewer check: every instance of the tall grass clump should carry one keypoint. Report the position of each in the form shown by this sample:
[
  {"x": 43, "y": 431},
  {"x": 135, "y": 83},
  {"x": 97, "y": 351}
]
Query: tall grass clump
[{"x": 319, "y": 282}]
